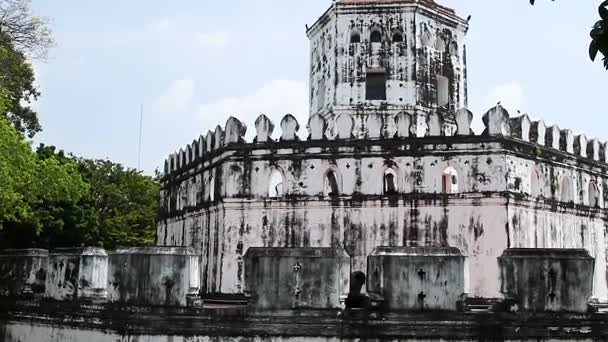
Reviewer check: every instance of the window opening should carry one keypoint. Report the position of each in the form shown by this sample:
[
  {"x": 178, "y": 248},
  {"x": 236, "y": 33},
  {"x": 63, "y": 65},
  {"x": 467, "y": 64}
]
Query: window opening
[
  {"x": 450, "y": 181},
  {"x": 390, "y": 186},
  {"x": 275, "y": 187},
  {"x": 376, "y": 37},
  {"x": 375, "y": 84},
  {"x": 442, "y": 91},
  {"x": 331, "y": 184}
]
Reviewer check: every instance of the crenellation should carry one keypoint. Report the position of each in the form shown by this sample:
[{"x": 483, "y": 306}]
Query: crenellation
[
  {"x": 188, "y": 155},
  {"x": 464, "y": 117},
  {"x": 553, "y": 137},
  {"x": 566, "y": 142},
  {"x": 202, "y": 147},
  {"x": 173, "y": 162},
  {"x": 195, "y": 150},
  {"x": 593, "y": 149},
  {"x": 290, "y": 128},
  {"x": 317, "y": 126},
  {"x": 496, "y": 121},
  {"x": 210, "y": 138},
  {"x": 343, "y": 127},
  {"x": 374, "y": 125},
  {"x": 580, "y": 145},
  {"x": 434, "y": 125},
  {"x": 180, "y": 159},
  {"x": 521, "y": 126},
  {"x": 235, "y": 131},
  {"x": 538, "y": 133},
  {"x": 264, "y": 128},
  {"x": 219, "y": 136}
]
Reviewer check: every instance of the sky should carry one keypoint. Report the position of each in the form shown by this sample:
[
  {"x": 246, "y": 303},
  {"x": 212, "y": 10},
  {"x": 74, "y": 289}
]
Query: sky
[{"x": 191, "y": 64}]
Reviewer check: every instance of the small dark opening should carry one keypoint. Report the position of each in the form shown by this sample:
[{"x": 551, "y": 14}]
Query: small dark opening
[
  {"x": 389, "y": 184},
  {"x": 332, "y": 183},
  {"x": 376, "y": 37},
  {"x": 397, "y": 37},
  {"x": 355, "y": 37},
  {"x": 356, "y": 299},
  {"x": 375, "y": 86}
]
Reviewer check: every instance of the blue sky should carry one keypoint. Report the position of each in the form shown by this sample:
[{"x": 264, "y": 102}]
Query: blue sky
[{"x": 192, "y": 64}]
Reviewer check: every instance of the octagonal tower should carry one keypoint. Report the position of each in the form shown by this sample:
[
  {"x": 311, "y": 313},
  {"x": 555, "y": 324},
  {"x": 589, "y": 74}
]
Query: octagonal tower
[{"x": 387, "y": 57}]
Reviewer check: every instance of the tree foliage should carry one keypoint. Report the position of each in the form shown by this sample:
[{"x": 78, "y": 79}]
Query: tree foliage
[
  {"x": 29, "y": 34},
  {"x": 22, "y": 35},
  {"x": 17, "y": 80},
  {"x": 29, "y": 183},
  {"x": 599, "y": 34},
  {"x": 119, "y": 208}
]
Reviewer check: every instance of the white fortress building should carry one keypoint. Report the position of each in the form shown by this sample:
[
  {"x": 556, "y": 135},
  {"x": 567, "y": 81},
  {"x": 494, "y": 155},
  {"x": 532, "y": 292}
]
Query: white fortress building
[
  {"x": 391, "y": 222},
  {"x": 390, "y": 161}
]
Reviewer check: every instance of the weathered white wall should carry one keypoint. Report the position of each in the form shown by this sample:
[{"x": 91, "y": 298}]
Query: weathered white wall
[
  {"x": 475, "y": 225},
  {"x": 77, "y": 273}
]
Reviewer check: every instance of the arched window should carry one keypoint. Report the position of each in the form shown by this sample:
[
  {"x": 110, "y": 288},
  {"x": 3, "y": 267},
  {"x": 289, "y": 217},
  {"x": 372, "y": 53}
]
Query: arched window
[
  {"x": 453, "y": 49},
  {"x": 375, "y": 36},
  {"x": 425, "y": 38},
  {"x": 331, "y": 187},
  {"x": 535, "y": 183},
  {"x": 275, "y": 185},
  {"x": 566, "y": 191},
  {"x": 192, "y": 189},
  {"x": 398, "y": 37},
  {"x": 440, "y": 44},
  {"x": 211, "y": 189},
  {"x": 449, "y": 181},
  {"x": 390, "y": 182},
  {"x": 594, "y": 195},
  {"x": 355, "y": 37}
]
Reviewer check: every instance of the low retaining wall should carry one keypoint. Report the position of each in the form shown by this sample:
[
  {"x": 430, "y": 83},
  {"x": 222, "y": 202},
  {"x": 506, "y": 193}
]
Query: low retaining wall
[
  {"x": 23, "y": 272},
  {"x": 167, "y": 276},
  {"x": 290, "y": 278},
  {"x": 77, "y": 273},
  {"x": 555, "y": 280},
  {"x": 417, "y": 278}
]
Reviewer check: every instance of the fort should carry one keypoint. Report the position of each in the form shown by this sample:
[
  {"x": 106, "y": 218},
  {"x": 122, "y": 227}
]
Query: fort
[{"x": 391, "y": 221}]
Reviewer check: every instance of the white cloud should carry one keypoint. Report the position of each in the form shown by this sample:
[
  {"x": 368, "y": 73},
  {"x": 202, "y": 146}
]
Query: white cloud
[
  {"x": 275, "y": 99},
  {"x": 178, "y": 97},
  {"x": 161, "y": 26},
  {"x": 213, "y": 40}
]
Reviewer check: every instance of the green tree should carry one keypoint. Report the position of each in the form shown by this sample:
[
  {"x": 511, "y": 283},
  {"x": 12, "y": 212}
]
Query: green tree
[
  {"x": 17, "y": 79},
  {"x": 125, "y": 203},
  {"x": 28, "y": 184},
  {"x": 120, "y": 208}
]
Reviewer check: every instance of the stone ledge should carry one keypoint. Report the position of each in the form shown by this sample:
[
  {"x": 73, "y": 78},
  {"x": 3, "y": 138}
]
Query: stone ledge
[{"x": 302, "y": 323}]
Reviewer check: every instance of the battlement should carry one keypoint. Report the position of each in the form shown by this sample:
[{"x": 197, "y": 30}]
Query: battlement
[{"x": 376, "y": 127}]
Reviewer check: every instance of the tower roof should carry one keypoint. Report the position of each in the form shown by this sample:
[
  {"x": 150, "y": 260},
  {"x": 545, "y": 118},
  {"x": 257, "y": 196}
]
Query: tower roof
[
  {"x": 429, "y": 4},
  {"x": 426, "y": 3}
]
